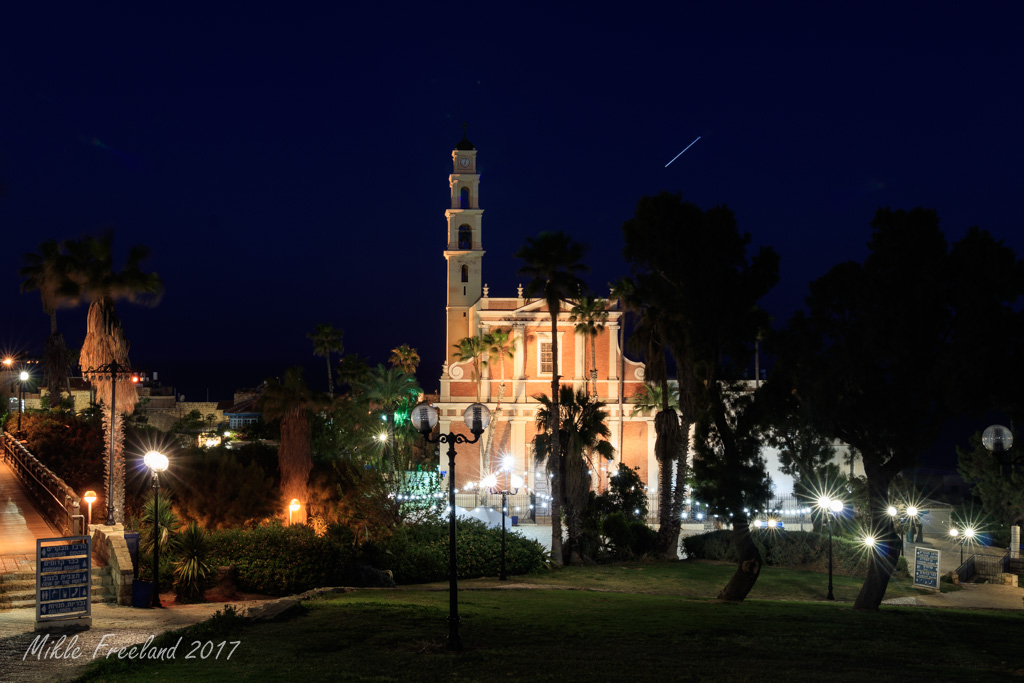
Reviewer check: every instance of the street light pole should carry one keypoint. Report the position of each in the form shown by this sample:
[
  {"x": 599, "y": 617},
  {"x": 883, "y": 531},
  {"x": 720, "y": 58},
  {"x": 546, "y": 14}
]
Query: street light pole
[
  {"x": 22, "y": 378},
  {"x": 157, "y": 462},
  {"x": 505, "y": 492},
  {"x": 830, "y": 507},
  {"x": 477, "y": 416}
]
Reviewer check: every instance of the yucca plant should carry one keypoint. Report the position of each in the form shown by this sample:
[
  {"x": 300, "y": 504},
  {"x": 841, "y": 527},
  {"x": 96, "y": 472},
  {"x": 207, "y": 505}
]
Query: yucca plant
[{"x": 192, "y": 570}]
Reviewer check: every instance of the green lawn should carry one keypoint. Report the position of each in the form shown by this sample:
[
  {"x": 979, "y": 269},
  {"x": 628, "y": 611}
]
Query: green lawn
[{"x": 665, "y": 628}]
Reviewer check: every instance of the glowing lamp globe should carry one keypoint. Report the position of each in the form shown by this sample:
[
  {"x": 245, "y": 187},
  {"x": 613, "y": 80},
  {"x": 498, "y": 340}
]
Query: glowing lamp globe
[
  {"x": 969, "y": 533},
  {"x": 156, "y": 461},
  {"x": 954, "y": 532},
  {"x": 294, "y": 505},
  {"x": 758, "y": 524},
  {"x": 490, "y": 481},
  {"x": 892, "y": 511},
  {"x": 517, "y": 481},
  {"x": 89, "y": 497},
  {"x": 869, "y": 541},
  {"x": 836, "y": 505},
  {"x": 23, "y": 376},
  {"x": 773, "y": 523},
  {"x": 912, "y": 511},
  {"x": 824, "y": 502},
  {"x": 997, "y": 438}
]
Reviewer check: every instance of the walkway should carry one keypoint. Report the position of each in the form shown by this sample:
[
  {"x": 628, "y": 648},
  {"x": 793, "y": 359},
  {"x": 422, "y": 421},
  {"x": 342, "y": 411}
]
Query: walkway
[{"x": 20, "y": 525}]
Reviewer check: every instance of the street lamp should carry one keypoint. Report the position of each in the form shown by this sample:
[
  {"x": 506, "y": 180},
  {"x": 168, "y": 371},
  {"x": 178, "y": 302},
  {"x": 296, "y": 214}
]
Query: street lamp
[
  {"x": 424, "y": 417},
  {"x": 109, "y": 371},
  {"x": 966, "y": 536},
  {"x": 157, "y": 462},
  {"x": 830, "y": 507},
  {"x": 90, "y": 498},
  {"x": 491, "y": 482},
  {"x": 293, "y": 507},
  {"x": 22, "y": 378}
]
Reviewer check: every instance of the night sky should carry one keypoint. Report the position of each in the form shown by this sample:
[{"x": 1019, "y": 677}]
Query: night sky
[{"x": 289, "y": 168}]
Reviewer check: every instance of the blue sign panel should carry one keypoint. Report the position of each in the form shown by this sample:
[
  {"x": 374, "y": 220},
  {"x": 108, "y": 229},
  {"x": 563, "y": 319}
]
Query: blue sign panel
[
  {"x": 64, "y": 607},
  {"x": 66, "y": 550},
  {"x": 66, "y": 579},
  {"x": 926, "y": 568},
  {"x": 63, "y": 578},
  {"x": 63, "y": 564}
]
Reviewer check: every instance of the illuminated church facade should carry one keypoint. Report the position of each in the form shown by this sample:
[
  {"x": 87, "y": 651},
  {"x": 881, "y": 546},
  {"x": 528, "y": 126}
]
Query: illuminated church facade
[{"x": 508, "y": 385}]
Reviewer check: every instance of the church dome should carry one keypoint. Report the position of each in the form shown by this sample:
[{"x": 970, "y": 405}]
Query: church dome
[{"x": 464, "y": 144}]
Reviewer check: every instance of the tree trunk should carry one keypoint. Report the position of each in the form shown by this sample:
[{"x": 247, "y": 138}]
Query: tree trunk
[
  {"x": 330, "y": 380},
  {"x": 749, "y": 566},
  {"x": 295, "y": 461},
  {"x": 666, "y": 451},
  {"x": 556, "y": 450},
  {"x": 882, "y": 562}
]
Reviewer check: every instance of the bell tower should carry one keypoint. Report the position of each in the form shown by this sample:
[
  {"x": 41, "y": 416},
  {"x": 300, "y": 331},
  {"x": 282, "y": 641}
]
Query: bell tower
[{"x": 464, "y": 252}]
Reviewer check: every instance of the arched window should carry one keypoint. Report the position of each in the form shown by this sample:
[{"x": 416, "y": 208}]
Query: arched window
[
  {"x": 465, "y": 237},
  {"x": 464, "y": 198},
  {"x": 465, "y": 273}
]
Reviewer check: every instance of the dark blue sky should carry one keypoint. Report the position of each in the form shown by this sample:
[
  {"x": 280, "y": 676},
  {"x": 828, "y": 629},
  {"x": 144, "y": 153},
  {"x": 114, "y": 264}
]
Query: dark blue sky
[{"x": 290, "y": 167}]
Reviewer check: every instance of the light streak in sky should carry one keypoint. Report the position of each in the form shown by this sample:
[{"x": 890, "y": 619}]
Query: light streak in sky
[{"x": 681, "y": 153}]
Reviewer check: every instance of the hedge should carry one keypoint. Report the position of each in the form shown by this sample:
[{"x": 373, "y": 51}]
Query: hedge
[{"x": 792, "y": 549}]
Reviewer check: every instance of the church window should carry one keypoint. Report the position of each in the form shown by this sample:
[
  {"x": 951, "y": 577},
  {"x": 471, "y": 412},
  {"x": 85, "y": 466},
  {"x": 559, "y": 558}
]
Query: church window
[
  {"x": 465, "y": 273},
  {"x": 465, "y": 237},
  {"x": 464, "y": 198},
  {"x": 546, "y": 358}
]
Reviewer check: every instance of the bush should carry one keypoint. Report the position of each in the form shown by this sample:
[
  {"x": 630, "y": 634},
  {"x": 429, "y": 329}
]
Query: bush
[
  {"x": 277, "y": 560},
  {"x": 217, "y": 489},
  {"x": 792, "y": 549},
  {"x": 418, "y": 553},
  {"x": 628, "y": 537},
  {"x": 192, "y": 571},
  {"x": 72, "y": 447}
]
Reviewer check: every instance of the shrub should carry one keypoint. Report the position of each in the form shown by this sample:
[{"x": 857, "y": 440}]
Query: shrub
[
  {"x": 277, "y": 560},
  {"x": 215, "y": 488},
  {"x": 628, "y": 537},
  {"x": 793, "y": 549},
  {"x": 192, "y": 571},
  {"x": 418, "y": 553}
]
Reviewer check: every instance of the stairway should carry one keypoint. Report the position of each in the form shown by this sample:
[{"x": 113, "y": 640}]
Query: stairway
[{"x": 18, "y": 590}]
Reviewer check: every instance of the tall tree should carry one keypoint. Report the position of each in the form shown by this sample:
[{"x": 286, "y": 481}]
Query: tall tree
[
  {"x": 327, "y": 340},
  {"x": 292, "y": 402},
  {"x": 92, "y": 269},
  {"x": 392, "y": 392},
  {"x": 889, "y": 348},
  {"x": 584, "y": 431},
  {"x": 680, "y": 253},
  {"x": 997, "y": 478},
  {"x": 49, "y": 271},
  {"x": 405, "y": 358},
  {"x": 552, "y": 261},
  {"x": 590, "y": 316},
  {"x": 472, "y": 349}
]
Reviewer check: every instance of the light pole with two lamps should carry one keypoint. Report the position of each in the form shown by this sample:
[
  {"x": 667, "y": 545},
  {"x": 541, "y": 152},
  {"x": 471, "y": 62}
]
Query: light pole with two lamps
[
  {"x": 157, "y": 462},
  {"x": 477, "y": 417},
  {"x": 491, "y": 482},
  {"x": 830, "y": 507},
  {"x": 961, "y": 537}
]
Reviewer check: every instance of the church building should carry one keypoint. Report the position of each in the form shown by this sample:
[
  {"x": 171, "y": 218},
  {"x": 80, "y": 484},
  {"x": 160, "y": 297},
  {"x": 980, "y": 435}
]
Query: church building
[{"x": 508, "y": 385}]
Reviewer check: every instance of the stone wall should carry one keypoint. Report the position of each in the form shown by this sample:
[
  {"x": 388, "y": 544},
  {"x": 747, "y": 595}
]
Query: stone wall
[{"x": 109, "y": 546}]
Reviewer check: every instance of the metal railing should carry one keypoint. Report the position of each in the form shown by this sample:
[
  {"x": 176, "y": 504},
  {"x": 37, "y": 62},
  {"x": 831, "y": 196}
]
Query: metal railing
[
  {"x": 967, "y": 571},
  {"x": 58, "y": 503}
]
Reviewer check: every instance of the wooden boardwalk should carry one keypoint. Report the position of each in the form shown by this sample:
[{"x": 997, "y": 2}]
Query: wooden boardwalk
[{"x": 20, "y": 525}]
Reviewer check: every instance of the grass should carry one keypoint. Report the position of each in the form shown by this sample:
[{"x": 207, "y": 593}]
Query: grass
[{"x": 632, "y": 622}]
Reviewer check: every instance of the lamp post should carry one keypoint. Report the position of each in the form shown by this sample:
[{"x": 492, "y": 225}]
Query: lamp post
[
  {"x": 22, "y": 378},
  {"x": 966, "y": 536},
  {"x": 424, "y": 417},
  {"x": 157, "y": 462},
  {"x": 830, "y": 507},
  {"x": 7, "y": 368},
  {"x": 293, "y": 507},
  {"x": 109, "y": 371},
  {"x": 491, "y": 482},
  {"x": 90, "y": 498}
]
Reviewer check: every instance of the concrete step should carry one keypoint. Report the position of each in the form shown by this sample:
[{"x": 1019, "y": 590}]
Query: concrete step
[
  {"x": 29, "y": 593},
  {"x": 18, "y": 589},
  {"x": 22, "y": 576}
]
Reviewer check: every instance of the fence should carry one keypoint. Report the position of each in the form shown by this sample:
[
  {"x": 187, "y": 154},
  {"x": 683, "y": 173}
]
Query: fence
[{"x": 54, "y": 498}]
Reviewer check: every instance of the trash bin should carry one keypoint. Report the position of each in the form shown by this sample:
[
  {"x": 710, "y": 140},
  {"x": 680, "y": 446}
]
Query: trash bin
[
  {"x": 142, "y": 593},
  {"x": 515, "y": 520},
  {"x": 131, "y": 539}
]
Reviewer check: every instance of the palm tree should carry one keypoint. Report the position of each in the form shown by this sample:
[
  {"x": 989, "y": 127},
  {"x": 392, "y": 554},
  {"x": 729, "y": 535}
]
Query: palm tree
[
  {"x": 327, "y": 340},
  {"x": 49, "y": 272},
  {"x": 649, "y": 398},
  {"x": 583, "y": 431},
  {"x": 91, "y": 268},
  {"x": 552, "y": 260},
  {"x": 405, "y": 358},
  {"x": 590, "y": 315},
  {"x": 292, "y": 402},
  {"x": 472, "y": 348},
  {"x": 500, "y": 345},
  {"x": 393, "y": 392}
]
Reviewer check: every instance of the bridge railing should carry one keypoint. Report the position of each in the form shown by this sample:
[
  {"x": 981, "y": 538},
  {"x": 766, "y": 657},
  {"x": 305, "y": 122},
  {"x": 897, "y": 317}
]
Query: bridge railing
[{"x": 54, "y": 498}]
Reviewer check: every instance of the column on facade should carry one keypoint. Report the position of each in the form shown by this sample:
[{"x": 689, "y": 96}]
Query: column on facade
[
  {"x": 518, "y": 360},
  {"x": 612, "y": 330}
]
